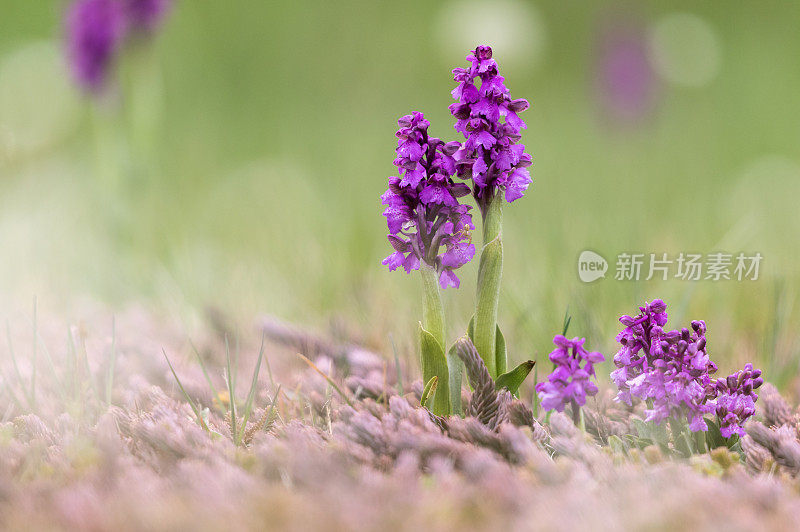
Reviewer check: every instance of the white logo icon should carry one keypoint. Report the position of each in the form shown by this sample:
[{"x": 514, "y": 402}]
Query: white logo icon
[{"x": 591, "y": 266}]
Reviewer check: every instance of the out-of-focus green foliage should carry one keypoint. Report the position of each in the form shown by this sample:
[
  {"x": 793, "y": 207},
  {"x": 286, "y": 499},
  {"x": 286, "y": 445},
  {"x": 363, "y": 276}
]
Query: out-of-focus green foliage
[{"x": 239, "y": 158}]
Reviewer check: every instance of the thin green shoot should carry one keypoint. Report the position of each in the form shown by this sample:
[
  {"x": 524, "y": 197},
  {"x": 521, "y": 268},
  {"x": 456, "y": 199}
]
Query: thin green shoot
[
  {"x": 112, "y": 363},
  {"x": 397, "y": 368},
  {"x": 205, "y": 371},
  {"x": 33, "y": 366},
  {"x": 231, "y": 389},
  {"x": 248, "y": 407},
  {"x": 87, "y": 369},
  {"x": 17, "y": 373},
  {"x": 195, "y": 407},
  {"x": 327, "y": 378},
  {"x": 567, "y": 321}
]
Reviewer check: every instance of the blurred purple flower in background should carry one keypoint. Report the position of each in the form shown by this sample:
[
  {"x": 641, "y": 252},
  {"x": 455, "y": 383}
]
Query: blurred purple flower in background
[
  {"x": 95, "y": 30},
  {"x": 146, "y": 15},
  {"x": 625, "y": 82},
  {"x": 570, "y": 381},
  {"x": 422, "y": 208},
  {"x": 490, "y": 155}
]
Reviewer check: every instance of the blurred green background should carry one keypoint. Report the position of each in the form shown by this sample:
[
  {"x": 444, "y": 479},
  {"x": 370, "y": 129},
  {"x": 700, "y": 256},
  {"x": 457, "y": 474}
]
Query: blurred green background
[{"x": 237, "y": 159}]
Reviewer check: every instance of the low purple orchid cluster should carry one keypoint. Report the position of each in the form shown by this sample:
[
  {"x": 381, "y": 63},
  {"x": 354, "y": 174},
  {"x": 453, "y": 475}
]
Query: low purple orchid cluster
[
  {"x": 422, "y": 208},
  {"x": 671, "y": 370},
  {"x": 491, "y": 155},
  {"x": 570, "y": 382},
  {"x": 97, "y": 29}
]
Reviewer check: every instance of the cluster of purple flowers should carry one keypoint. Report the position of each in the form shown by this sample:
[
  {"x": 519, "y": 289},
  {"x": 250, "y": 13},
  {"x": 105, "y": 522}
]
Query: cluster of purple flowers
[
  {"x": 422, "y": 208},
  {"x": 422, "y": 204},
  {"x": 672, "y": 371},
  {"x": 491, "y": 155},
  {"x": 96, "y": 30},
  {"x": 736, "y": 399},
  {"x": 570, "y": 380}
]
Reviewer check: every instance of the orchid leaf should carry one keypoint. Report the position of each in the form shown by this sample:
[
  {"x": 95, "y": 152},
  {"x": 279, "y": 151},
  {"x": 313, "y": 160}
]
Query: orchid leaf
[
  {"x": 429, "y": 390},
  {"x": 501, "y": 354},
  {"x": 455, "y": 370},
  {"x": 434, "y": 364},
  {"x": 514, "y": 378}
]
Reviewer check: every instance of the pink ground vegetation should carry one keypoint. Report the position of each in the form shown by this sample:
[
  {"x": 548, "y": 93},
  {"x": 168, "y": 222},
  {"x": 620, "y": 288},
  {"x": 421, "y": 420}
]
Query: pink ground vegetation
[{"x": 72, "y": 461}]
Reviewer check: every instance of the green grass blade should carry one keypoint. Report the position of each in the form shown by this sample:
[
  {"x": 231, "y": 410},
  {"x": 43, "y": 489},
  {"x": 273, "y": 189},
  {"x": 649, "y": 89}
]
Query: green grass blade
[
  {"x": 17, "y": 373},
  {"x": 203, "y": 368},
  {"x": 567, "y": 321},
  {"x": 231, "y": 396},
  {"x": 326, "y": 377},
  {"x": 397, "y": 368},
  {"x": 248, "y": 407},
  {"x": 112, "y": 363},
  {"x": 195, "y": 408},
  {"x": 33, "y": 363}
]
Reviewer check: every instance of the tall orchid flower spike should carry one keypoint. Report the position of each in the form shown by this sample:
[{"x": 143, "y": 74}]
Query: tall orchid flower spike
[
  {"x": 430, "y": 231},
  {"x": 489, "y": 120},
  {"x": 492, "y": 158}
]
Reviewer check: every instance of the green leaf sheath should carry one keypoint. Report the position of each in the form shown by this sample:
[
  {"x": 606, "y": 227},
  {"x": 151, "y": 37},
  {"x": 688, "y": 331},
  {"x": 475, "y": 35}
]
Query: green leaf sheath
[
  {"x": 432, "y": 309},
  {"x": 455, "y": 370},
  {"x": 490, "y": 271},
  {"x": 500, "y": 354},
  {"x": 434, "y": 362}
]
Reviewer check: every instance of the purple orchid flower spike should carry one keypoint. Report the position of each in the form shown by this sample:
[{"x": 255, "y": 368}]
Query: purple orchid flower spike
[
  {"x": 489, "y": 120},
  {"x": 570, "y": 382},
  {"x": 496, "y": 163},
  {"x": 425, "y": 219},
  {"x": 672, "y": 371},
  {"x": 736, "y": 399}
]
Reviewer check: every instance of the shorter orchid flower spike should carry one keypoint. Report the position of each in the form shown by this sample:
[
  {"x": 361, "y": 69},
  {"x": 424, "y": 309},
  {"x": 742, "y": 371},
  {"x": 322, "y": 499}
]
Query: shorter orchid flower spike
[{"x": 425, "y": 219}]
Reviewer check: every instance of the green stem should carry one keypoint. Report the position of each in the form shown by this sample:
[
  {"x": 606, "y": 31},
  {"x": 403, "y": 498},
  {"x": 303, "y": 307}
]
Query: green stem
[
  {"x": 432, "y": 309},
  {"x": 432, "y": 341},
  {"x": 490, "y": 272},
  {"x": 493, "y": 219}
]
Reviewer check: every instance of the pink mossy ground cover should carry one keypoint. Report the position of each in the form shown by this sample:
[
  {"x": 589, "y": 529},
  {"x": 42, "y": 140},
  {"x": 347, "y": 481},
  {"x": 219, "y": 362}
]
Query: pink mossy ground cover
[{"x": 79, "y": 451}]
